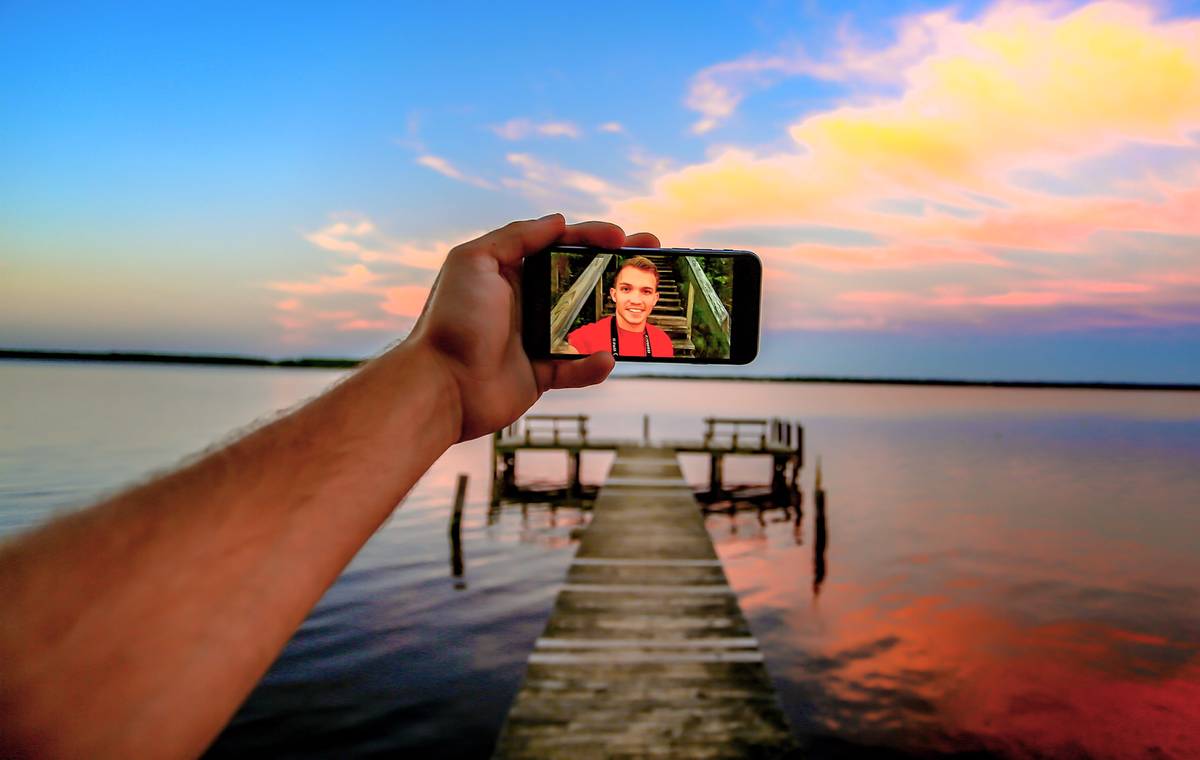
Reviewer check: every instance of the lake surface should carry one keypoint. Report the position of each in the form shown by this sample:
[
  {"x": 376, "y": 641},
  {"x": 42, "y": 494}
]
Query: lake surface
[{"x": 1008, "y": 572}]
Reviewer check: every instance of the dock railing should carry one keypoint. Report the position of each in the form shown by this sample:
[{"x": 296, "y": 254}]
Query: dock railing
[
  {"x": 781, "y": 440},
  {"x": 746, "y": 432},
  {"x": 557, "y": 428}
]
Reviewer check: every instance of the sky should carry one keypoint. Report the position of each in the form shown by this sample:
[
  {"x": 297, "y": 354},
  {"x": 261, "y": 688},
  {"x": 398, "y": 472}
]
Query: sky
[{"x": 979, "y": 190}]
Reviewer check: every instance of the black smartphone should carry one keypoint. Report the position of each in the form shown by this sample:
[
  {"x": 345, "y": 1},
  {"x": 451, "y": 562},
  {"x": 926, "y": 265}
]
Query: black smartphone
[{"x": 682, "y": 305}]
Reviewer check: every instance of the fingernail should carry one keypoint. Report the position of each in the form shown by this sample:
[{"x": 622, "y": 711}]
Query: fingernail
[{"x": 547, "y": 216}]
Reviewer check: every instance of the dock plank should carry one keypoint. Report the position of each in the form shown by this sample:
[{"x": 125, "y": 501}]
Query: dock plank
[{"x": 647, "y": 653}]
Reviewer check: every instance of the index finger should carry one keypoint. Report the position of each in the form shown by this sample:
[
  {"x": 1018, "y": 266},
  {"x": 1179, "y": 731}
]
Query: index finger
[
  {"x": 516, "y": 240},
  {"x": 597, "y": 234}
]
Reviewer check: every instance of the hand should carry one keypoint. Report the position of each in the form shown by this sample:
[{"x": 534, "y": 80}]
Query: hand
[{"x": 472, "y": 322}]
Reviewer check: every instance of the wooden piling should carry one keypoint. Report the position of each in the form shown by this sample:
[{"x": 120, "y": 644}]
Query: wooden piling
[
  {"x": 716, "y": 473},
  {"x": 821, "y": 540},
  {"x": 575, "y": 486},
  {"x": 456, "y": 561}
]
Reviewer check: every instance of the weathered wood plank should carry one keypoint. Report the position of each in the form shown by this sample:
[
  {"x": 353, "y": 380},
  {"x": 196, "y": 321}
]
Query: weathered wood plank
[{"x": 647, "y": 653}]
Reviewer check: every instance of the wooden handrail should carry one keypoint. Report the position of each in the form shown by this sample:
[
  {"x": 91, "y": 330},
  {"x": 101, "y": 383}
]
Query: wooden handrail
[
  {"x": 580, "y": 421},
  {"x": 568, "y": 307},
  {"x": 708, "y": 294}
]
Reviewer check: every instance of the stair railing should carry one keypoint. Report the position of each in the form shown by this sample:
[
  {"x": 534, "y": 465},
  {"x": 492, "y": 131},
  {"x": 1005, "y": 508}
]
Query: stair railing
[
  {"x": 562, "y": 316},
  {"x": 705, "y": 305}
]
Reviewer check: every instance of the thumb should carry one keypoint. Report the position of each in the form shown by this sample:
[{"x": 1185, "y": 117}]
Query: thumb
[{"x": 574, "y": 373}]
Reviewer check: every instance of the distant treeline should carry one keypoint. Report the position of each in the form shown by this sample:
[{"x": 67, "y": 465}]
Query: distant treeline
[
  {"x": 933, "y": 381},
  {"x": 141, "y": 357}
]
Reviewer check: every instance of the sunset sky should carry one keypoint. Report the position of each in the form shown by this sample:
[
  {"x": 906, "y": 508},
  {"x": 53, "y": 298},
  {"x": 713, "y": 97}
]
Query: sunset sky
[{"x": 978, "y": 190}]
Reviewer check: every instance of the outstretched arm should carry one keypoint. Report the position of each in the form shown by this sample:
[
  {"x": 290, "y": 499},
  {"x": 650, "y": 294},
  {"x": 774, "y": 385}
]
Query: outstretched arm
[{"x": 136, "y": 627}]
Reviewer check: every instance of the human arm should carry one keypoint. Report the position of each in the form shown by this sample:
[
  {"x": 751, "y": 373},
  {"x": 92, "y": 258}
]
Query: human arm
[{"x": 136, "y": 627}]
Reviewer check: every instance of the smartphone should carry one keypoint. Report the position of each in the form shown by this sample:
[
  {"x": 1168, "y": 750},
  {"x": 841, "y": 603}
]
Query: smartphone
[{"x": 677, "y": 305}]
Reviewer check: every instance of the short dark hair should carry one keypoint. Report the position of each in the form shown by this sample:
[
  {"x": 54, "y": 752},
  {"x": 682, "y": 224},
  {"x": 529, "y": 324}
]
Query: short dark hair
[{"x": 642, "y": 263}]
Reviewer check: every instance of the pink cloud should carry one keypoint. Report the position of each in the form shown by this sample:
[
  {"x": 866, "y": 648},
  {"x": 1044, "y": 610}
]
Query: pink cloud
[
  {"x": 874, "y": 297},
  {"x": 367, "y": 324},
  {"x": 353, "y": 278},
  {"x": 895, "y": 255},
  {"x": 405, "y": 301},
  {"x": 382, "y": 289}
]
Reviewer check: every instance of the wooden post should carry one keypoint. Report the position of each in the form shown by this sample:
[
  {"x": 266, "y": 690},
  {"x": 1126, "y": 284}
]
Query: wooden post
[
  {"x": 599, "y": 297},
  {"x": 714, "y": 474},
  {"x": 779, "y": 486},
  {"x": 510, "y": 473},
  {"x": 645, "y": 430},
  {"x": 573, "y": 463},
  {"x": 456, "y": 559},
  {"x": 799, "y": 445},
  {"x": 495, "y": 499},
  {"x": 822, "y": 537}
]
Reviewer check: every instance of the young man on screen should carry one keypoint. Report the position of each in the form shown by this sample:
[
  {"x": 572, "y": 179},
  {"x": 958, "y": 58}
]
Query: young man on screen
[{"x": 628, "y": 332}]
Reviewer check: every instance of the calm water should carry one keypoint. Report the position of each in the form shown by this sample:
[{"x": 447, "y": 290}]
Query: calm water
[{"x": 1008, "y": 572}]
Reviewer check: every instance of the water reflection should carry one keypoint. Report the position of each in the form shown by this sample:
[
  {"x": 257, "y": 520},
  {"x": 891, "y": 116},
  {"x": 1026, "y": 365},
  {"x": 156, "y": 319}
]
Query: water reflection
[{"x": 1033, "y": 594}]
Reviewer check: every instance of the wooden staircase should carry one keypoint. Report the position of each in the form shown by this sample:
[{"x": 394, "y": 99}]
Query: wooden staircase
[{"x": 670, "y": 315}]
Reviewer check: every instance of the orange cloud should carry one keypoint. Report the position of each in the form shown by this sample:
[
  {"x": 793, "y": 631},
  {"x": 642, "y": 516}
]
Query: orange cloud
[
  {"x": 931, "y": 171},
  {"x": 1021, "y": 86}
]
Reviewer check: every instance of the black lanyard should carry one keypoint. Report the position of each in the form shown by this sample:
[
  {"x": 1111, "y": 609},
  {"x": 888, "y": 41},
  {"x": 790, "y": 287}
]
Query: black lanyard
[{"x": 616, "y": 346}]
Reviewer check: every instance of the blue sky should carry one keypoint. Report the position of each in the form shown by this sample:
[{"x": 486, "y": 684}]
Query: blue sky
[{"x": 281, "y": 179}]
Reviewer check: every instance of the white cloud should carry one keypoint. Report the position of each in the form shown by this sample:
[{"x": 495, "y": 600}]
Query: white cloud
[
  {"x": 447, "y": 169},
  {"x": 717, "y": 90},
  {"x": 521, "y": 129},
  {"x": 546, "y": 181},
  {"x": 612, "y": 127}
]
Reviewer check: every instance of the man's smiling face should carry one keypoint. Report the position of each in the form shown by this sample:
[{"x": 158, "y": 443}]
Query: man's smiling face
[{"x": 635, "y": 292}]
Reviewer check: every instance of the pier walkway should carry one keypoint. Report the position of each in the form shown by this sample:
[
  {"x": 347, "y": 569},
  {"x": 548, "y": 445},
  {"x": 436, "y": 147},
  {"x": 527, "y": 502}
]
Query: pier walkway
[{"x": 647, "y": 653}]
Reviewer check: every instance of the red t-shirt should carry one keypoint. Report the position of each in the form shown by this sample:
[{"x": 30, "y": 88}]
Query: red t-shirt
[{"x": 598, "y": 337}]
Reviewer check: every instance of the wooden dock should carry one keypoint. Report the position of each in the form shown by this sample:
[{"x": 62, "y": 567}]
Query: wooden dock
[{"x": 647, "y": 653}]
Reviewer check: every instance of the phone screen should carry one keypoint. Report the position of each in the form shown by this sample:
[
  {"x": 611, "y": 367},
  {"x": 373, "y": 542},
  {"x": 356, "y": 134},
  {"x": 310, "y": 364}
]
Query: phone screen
[{"x": 648, "y": 305}]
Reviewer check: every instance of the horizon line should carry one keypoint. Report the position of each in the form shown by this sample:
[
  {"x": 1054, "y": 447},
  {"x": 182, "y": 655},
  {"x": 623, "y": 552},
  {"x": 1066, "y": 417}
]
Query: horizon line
[{"x": 307, "y": 362}]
